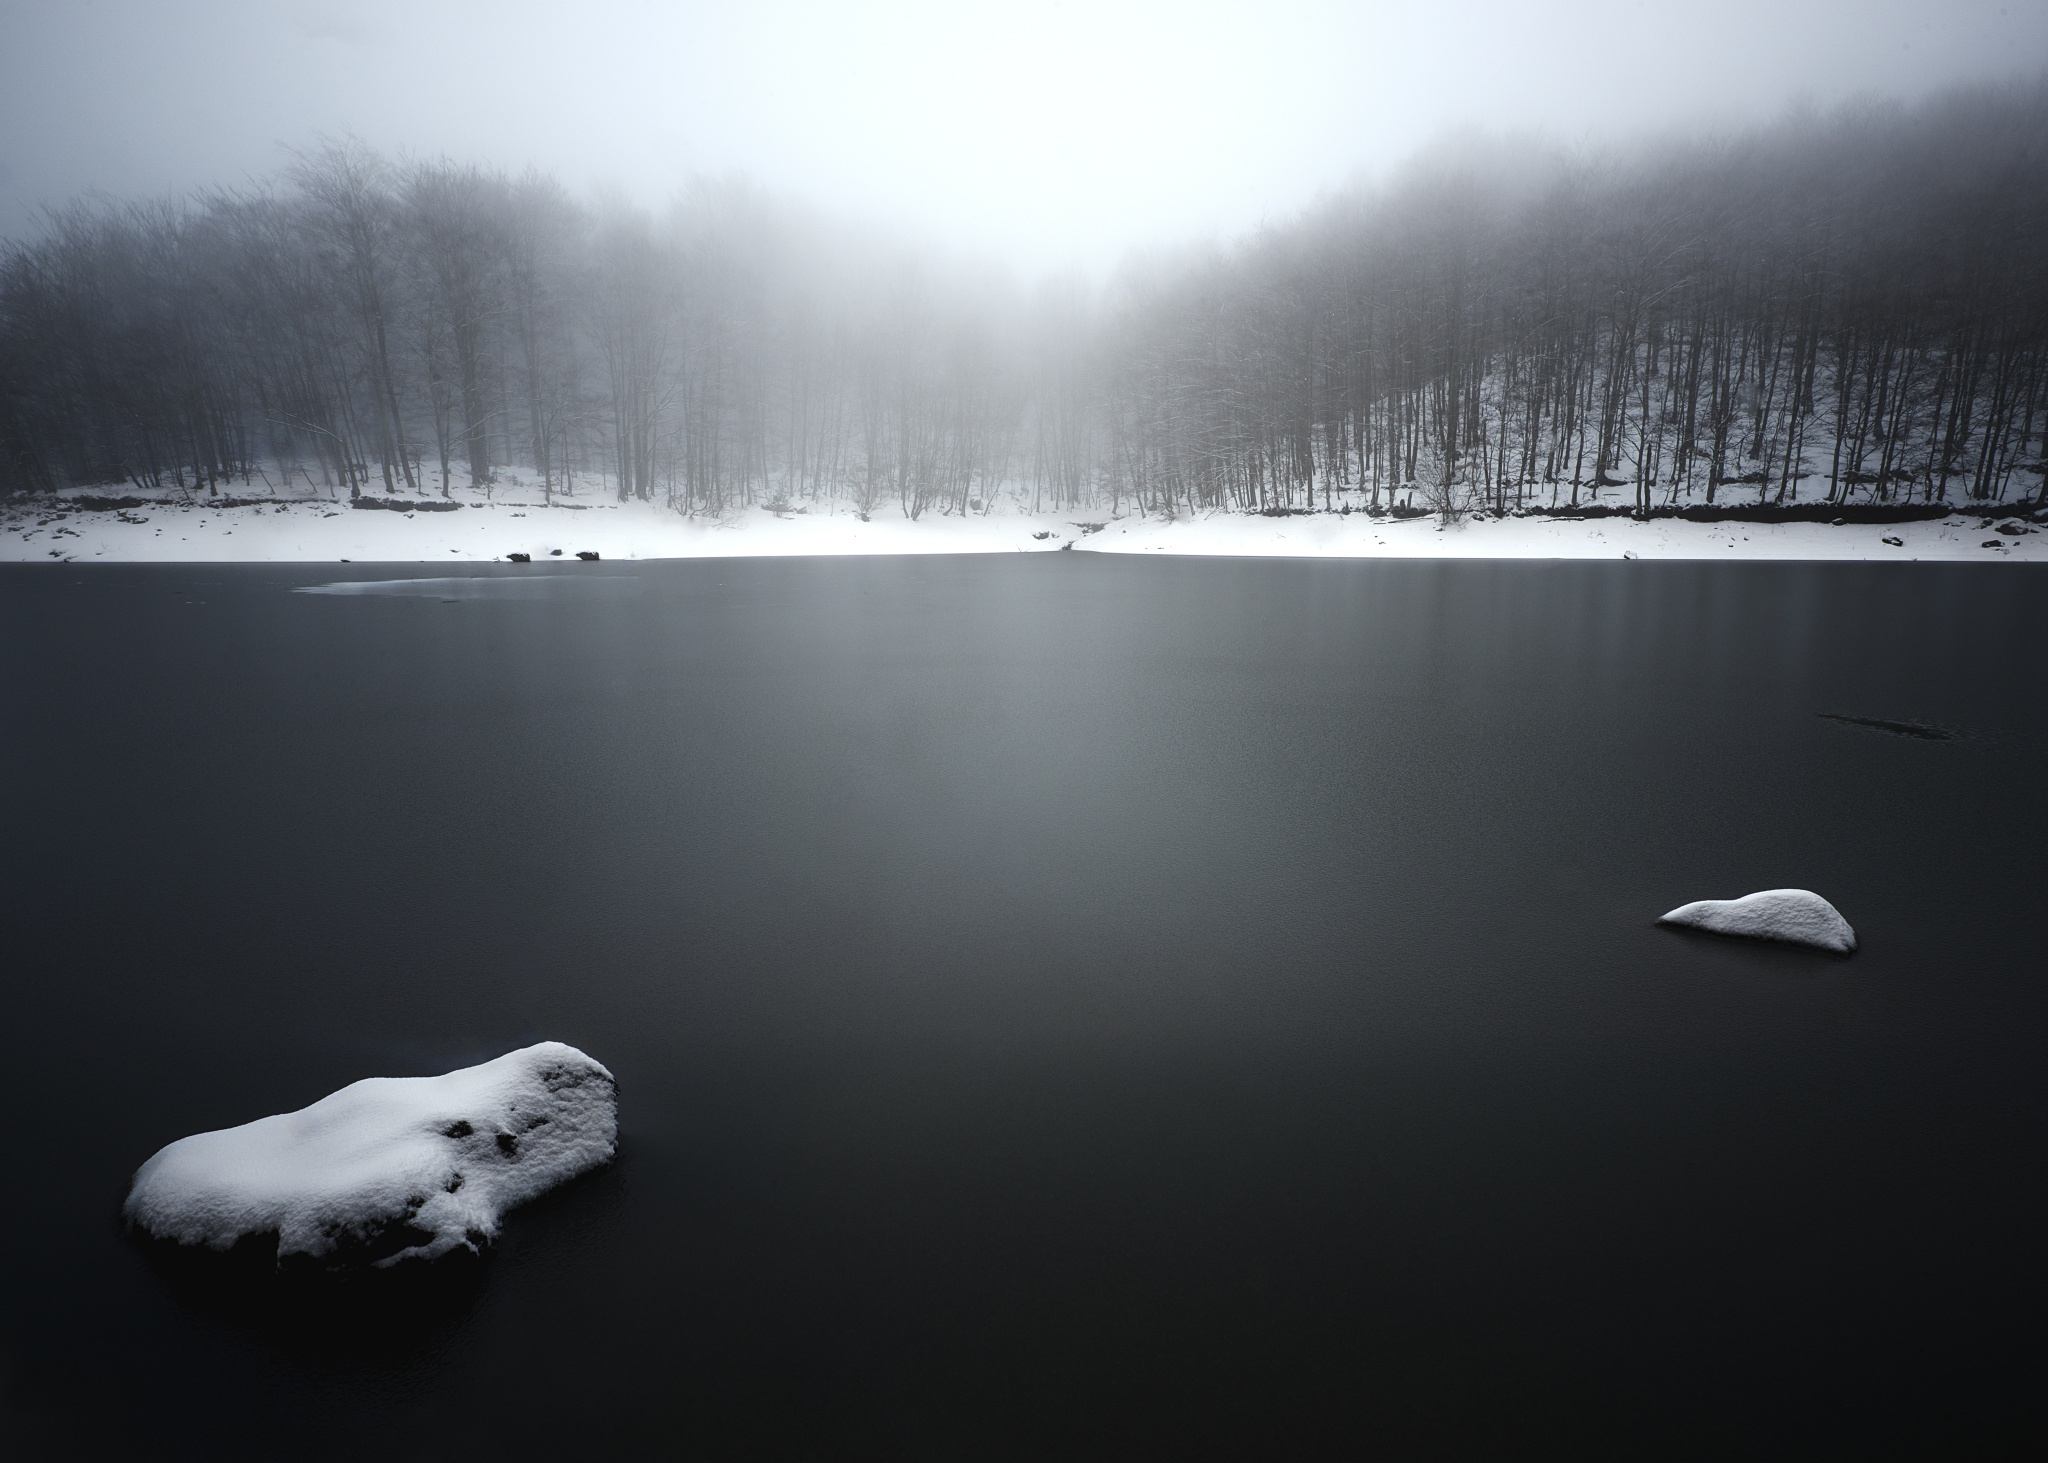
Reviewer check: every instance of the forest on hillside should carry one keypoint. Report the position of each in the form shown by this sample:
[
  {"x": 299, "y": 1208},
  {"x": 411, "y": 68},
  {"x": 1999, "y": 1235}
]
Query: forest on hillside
[{"x": 1845, "y": 308}]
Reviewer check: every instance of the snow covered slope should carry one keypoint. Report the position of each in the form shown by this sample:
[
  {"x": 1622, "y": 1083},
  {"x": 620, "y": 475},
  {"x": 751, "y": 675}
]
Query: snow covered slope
[
  {"x": 389, "y": 1168},
  {"x": 1796, "y": 916}
]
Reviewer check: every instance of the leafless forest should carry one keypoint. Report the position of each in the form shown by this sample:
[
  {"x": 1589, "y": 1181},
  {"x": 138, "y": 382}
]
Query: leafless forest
[{"x": 1839, "y": 309}]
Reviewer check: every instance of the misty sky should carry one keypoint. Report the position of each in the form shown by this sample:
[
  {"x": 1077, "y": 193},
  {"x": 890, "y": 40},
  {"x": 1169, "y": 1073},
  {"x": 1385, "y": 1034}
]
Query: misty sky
[{"x": 1048, "y": 133}]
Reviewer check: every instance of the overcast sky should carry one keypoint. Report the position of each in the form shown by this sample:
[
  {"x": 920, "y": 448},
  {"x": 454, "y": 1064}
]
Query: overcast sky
[{"x": 1049, "y": 133}]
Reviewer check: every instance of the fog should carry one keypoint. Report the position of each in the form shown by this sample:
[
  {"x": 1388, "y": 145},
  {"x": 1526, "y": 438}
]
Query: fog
[{"x": 1047, "y": 135}]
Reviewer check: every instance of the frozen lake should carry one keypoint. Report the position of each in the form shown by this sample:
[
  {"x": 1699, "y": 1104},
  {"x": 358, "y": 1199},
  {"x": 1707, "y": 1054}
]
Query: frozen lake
[{"x": 1062, "y": 1006}]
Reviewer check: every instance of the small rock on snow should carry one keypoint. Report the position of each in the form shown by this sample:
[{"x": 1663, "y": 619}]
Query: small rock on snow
[{"x": 1796, "y": 916}]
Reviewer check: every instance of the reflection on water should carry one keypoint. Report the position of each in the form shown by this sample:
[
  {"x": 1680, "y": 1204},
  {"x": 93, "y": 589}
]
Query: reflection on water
[
  {"x": 1063, "y": 1007},
  {"x": 359, "y": 1318}
]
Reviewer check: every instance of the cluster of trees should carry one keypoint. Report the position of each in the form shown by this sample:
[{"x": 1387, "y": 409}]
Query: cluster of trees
[{"x": 1843, "y": 307}]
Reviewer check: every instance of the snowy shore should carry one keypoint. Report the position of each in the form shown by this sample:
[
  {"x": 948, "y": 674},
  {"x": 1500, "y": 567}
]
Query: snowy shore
[{"x": 317, "y": 529}]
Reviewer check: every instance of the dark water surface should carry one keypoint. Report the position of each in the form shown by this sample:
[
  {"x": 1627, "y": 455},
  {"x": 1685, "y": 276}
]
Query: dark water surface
[{"x": 1063, "y": 1007}]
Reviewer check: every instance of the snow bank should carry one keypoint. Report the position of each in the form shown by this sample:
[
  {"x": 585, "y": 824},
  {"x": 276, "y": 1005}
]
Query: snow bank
[
  {"x": 315, "y": 530},
  {"x": 1797, "y": 916},
  {"x": 389, "y": 1168}
]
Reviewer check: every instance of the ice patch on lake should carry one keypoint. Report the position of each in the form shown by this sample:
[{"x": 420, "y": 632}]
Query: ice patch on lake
[
  {"x": 483, "y": 586},
  {"x": 389, "y": 1168},
  {"x": 1796, "y": 916}
]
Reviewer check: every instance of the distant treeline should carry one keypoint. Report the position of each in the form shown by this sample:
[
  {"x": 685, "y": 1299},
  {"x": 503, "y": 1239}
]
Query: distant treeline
[{"x": 1841, "y": 308}]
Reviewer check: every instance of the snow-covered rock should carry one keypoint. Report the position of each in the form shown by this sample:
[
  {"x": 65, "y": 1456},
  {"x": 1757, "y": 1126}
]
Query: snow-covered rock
[
  {"x": 1796, "y": 916},
  {"x": 389, "y": 1168}
]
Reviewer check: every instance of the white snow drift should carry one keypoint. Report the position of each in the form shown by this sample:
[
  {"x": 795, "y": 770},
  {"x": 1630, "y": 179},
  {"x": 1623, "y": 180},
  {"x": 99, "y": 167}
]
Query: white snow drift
[
  {"x": 433, "y": 1160},
  {"x": 1796, "y": 916}
]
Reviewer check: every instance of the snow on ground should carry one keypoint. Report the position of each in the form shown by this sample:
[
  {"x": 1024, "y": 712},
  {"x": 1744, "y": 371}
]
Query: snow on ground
[
  {"x": 392, "y": 1167},
  {"x": 1796, "y": 916},
  {"x": 319, "y": 529}
]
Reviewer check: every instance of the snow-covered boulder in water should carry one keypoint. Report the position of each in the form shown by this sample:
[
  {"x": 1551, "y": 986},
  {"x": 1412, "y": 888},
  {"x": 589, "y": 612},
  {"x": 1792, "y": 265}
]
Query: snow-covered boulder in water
[
  {"x": 389, "y": 1168},
  {"x": 1796, "y": 916}
]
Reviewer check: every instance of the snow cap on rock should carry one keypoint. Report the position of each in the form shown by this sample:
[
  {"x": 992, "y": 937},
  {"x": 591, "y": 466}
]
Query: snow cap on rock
[
  {"x": 388, "y": 1168},
  {"x": 1795, "y": 916}
]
